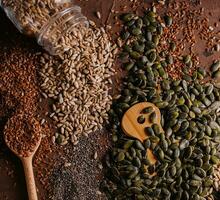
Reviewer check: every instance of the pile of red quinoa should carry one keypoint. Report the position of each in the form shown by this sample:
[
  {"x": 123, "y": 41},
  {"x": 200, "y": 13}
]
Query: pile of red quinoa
[{"x": 22, "y": 134}]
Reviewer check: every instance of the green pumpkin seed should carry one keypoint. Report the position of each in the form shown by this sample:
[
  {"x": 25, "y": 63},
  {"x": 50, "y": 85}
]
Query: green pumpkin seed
[
  {"x": 168, "y": 20},
  {"x": 125, "y": 35},
  {"x": 139, "y": 23},
  {"x": 162, "y": 72},
  {"x": 214, "y": 159},
  {"x": 169, "y": 59},
  {"x": 185, "y": 109},
  {"x": 215, "y": 66},
  {"x": 120, "y": 157},
  {"x": 154, "y": 139},
  {"x": 188, "y": 152},
  {"x": 164, "y": 145},
  {"x": 134, "y": 190},
  {"x": 195, "y": 183},
  {"x": 196, "y": 110},
  {"x": 168, "y": 132},
  {"x": 209, "y": 89},
  {"x": 153, "y": 117},
  {"x": 128, "y": 144},
  {"x": 176, "y": 153},
  {"x": 133, "y": 152},
  {"x": 173, "y": 170},
  {"x": 160, "y": 30},
  {"x": 192, "y": 114},
  {"x": 147, "y": 143},
  {"x": 139, "y": 48},
  {"x": 135, "y": 55},
  {"x": 155, "y": 39},
  {"x": 128, "y": 17},
  {"x": 216, "y": 74},
  {"x": 141, "y": 119},
  {"x": 186, "y": 59},
  {"x": 147, "y": 110},
  {"x": 172, "y": 46},
  {"x": 152, "y": 56},
  {"x": 137, "y": 162},
  {"x": 149, "y": 36},
  {"x": 184, "y": 125},
  {"x": 160, "y": 153},
  {"x": 183, "y": 144},
  {"x": 201, "y": 172},
  {"x": 162, "y": 104},
  {"x": 187, "y": 78},
  {"x": 208, "y": 182},
  {"x": 156, "y": 129},
  {"x": 149, "y": 131},
  {"x": 139, "y": 145}
]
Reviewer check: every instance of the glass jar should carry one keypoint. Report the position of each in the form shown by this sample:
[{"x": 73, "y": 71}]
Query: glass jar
[{"x": 49, "y": 21}]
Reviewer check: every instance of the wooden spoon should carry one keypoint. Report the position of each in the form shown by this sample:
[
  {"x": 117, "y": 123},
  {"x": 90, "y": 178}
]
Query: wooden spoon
[
  {"x": 28, "y": 171},
  {"x": 26, "y": 160},
  {"x": 133, "y": 128}
]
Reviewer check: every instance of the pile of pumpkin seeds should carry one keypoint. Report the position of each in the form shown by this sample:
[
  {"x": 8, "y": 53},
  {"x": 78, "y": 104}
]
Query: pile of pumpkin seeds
[
  {"x": 78, "y": 81},
  {"x": 189, "y": 149}
]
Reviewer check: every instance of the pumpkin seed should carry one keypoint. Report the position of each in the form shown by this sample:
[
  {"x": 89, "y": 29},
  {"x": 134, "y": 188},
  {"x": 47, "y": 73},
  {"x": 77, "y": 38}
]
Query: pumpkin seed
[
  {"x": 128, "y": 144},
  {"x": 154, "y": 139},
  {"x": 172, "y": 46},
  {"x": 128, "y": 17},
  {"x": 120, "y": 157},
  {"x": 156, "y": 129},
  {"x": 168, "y": 20},
  {"x": 195, "y": 183},
  {"x": 215, "y": 66},
  {"x": 149, "y": 36},
  {"x": 152, "y": 117},
  {"x": 139, "y": 145},
  {"x": 147, "y": 110},
  {"x": 134, "y": 190},
  {"x": 125, "y": 35},
  {"x": 214, "y": 159},
  {"x": 141, "y": 119},
  {"x": 183, "y": 144},
  {"x": 216, "y": 74},
  {"x": 137, "y": 162},
  {"x": 149, "y": 131},
  {"x": 169, "y": 59},
  {"x": 147, "y": 143}
]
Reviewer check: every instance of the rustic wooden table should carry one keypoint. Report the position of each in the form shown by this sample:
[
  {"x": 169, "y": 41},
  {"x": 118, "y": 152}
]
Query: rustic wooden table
[{"x": 12, "y": 186}]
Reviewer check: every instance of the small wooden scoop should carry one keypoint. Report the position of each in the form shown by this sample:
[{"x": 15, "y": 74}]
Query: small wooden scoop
[
  {"x": 28, "y": 171},
  {"x": 27, "y": 165},
  {"x": 133, "y": 128}
]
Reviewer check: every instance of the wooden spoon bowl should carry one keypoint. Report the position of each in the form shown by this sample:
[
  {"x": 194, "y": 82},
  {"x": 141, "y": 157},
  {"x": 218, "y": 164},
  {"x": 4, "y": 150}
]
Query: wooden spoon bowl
[
  {"x": 133, "y": 127},
  {"x": 26, "y": 159}
]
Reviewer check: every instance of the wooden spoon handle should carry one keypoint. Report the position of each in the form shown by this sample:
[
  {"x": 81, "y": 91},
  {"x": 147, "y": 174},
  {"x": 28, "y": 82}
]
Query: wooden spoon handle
[{"x": 29, "y": 176}]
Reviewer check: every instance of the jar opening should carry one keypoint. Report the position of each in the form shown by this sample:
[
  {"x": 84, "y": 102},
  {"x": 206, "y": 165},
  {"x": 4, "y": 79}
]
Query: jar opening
[{"x": 59, "y": 25}]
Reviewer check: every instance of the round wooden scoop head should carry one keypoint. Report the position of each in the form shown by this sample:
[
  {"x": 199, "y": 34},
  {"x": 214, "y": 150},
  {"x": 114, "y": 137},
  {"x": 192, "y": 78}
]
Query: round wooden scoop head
[
  {"x": 133, "y": 128},
  {"x": 27, "y": 157}
]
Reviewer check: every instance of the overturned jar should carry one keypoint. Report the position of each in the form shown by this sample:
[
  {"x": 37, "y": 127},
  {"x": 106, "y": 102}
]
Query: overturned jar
[{"x": 49, "y": 21}]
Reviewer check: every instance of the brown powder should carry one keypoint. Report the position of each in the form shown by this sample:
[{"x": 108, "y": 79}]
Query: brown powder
[{"x": 22, "y": 134}]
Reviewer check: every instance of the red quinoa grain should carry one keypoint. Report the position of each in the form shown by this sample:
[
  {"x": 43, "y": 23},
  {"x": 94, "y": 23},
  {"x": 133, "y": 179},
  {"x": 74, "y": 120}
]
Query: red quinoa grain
[{"x": 22, "y": 134}]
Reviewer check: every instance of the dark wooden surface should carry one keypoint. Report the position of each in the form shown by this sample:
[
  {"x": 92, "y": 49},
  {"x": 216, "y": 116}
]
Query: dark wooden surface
[{"x": 13, "y": 187}]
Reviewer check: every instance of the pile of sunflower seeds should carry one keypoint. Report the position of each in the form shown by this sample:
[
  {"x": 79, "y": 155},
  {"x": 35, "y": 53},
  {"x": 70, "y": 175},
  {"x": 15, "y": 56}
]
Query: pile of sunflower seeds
[
  {"x": 79, "y": 82},
  {"x": 189, "y": 149}
]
